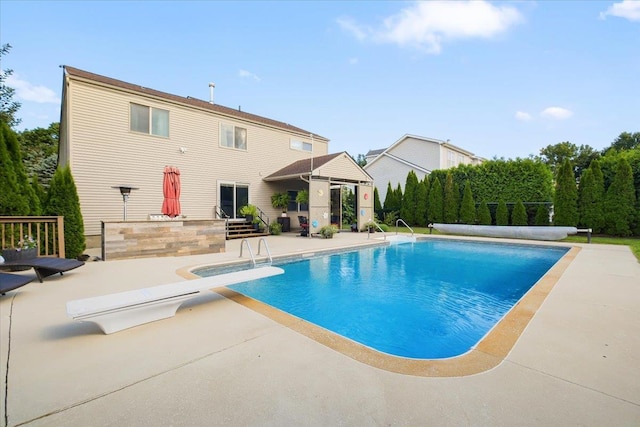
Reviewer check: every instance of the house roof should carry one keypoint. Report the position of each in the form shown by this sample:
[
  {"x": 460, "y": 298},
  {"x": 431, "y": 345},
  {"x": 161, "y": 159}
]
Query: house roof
[
  {"x": 375, "y": 152},
  {"x": 194, "y": 102},
  {"x": 301, "y": 167}
]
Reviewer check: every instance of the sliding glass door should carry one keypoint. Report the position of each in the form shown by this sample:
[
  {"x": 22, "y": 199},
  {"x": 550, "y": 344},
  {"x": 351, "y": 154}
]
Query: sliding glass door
[{"x": 233, "y": 196}]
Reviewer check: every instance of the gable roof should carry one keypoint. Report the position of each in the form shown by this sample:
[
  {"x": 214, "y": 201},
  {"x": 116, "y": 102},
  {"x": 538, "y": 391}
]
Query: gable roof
[
  {"x": 304, "y": 167},
  {"x": 189, "y": 101}
]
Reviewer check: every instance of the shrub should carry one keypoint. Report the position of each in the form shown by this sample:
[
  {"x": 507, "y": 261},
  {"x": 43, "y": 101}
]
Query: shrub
[
  {"x": 565, "y": 203},
  {"x": 484, "y": 215},
  {"x": 542, "y": 215},
  {"x": 328, "y": 231},
  {"x": 519, "y": 216},
  {"x": 275, "y": 228},
  {"x": 468, "y": 206},
  {"x": 502, "y": 213}
]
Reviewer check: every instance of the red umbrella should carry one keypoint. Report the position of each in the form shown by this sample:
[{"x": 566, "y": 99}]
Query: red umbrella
[{"x": 171, "y": 190}]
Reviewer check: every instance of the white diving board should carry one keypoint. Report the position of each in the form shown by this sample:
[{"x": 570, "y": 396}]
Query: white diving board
[{"x": 123, "y": 310}]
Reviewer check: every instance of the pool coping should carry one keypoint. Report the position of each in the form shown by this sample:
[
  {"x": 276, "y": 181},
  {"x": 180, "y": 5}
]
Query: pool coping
[{"x": 490, "y": 351}]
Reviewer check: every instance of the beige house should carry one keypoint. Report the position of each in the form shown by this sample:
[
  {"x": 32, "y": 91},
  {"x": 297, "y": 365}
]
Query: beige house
[
  {"x": 413, "y": 153},
  {"x": 114, "y": 133}
]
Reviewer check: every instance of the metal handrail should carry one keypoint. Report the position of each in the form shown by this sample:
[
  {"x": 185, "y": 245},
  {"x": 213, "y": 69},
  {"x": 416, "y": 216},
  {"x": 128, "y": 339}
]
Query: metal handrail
[
  {"x": 253, "y": 258},
  {"x": 260, "y": 214},
  {"x": 384, "y": 235},
  {"x": 405, "y": 224},
  {"x": 266, "y": 246}
]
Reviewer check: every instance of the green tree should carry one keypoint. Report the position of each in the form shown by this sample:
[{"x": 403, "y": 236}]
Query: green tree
[
  {"x": 580, "y": 157},
  {"x": 390, "y": 202},
  {"x": 63, "y": 200},
  {"x": 408, "y": 211},
  {"x": 590, "y": 202},
  {"x": 377, "y": 207},
  {"x": 468, "y": 206},
  {"x": 519, "y": 216},
  {"x": 421, "y": 204},
  {"x": 12, "y": 201},
  {"x": 450, "y": 201},
  {"x": 8, "y": 107},
  {"x": 502, "y": 213},
  {"x": 26, "y": 202},
  {"x": 619, "y": 207},
  {"x": 566, "y": 198},
  {"x": 542, "y": 215},
  {"x": 39, "y": 148},
  {"x": 625, "y": 141},
  {"x": 484, "y": 215},
  {"x": 436, "y": 202}
]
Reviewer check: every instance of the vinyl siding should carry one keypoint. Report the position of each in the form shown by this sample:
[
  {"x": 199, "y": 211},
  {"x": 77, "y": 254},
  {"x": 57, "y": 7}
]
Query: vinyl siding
[{"x": 103, "y": 152}]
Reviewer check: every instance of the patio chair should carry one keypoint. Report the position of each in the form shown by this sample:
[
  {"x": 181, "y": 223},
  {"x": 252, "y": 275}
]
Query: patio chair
[
  {"x": 9, "y": 282},
  {"x": 45, "y": 266},
  {"x": 304, "y": 223}
]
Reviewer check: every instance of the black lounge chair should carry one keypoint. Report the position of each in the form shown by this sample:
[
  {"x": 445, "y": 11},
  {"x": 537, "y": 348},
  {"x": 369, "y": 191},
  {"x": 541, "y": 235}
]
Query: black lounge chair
[
  {"x": 45, "y": 266},
  {"x": 9, "y": 282}
]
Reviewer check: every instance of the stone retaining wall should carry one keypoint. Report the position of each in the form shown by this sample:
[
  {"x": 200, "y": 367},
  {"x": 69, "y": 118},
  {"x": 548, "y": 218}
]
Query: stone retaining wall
[{"x": 146, "y": 239}]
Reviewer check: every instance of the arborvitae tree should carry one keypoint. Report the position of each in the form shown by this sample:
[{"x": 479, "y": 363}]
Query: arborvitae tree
[
  {"x": 427, "y": 185},
  {"x": 468, "y": 206},
  {"x": 450, "y": 201},
  {"x": 399, "y": 197},
  {"x": 565, "y": 204},
  {"x": 589, "y": 209},
  {"x": 377, "y": 207},
  {"x": 598, "y": 197},
  {"x": 389, "y": 199},
  {"x": 484, "y": 215},
  {"x": 519, "y": 216},
  {"x": 619, "y": 206},
  {"x": 40, "y": 195},
  {"x": 408, "y": 211},
  {"x": 502, "y": 213},
  {"x": 421, "y": 204},
  {"x": 12, "y": 200},
  {"x": 436, "y": 202},
  {"x": 63, "y": 200},
  {"x": 542, "y": 215}
]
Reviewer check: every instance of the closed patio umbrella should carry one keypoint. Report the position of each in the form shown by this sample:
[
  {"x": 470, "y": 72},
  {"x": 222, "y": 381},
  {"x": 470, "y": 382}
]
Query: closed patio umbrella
[{"x": 171, "y": 190}]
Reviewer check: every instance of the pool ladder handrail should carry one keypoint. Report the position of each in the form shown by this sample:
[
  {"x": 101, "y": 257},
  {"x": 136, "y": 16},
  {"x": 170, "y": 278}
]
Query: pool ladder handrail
[
  {"x": 405, "y": 224},
  {"x": 253, "y": 258},
  {"x": 384, "y": 235}
]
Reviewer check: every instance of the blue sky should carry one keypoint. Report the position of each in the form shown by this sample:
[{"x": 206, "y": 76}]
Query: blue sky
[{"x": 499, "y": 79}]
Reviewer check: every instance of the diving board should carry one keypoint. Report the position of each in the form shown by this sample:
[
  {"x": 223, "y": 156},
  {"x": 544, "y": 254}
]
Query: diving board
[{"x": 123, "y": 310}]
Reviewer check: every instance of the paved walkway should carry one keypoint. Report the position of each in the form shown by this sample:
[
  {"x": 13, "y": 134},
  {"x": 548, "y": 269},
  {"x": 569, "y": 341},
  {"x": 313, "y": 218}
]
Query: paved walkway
[{"x": 218, "y": 363}]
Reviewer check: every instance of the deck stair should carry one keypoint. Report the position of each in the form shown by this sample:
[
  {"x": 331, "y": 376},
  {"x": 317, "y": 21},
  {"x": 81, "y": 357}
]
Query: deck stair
[{"x": 242, "y": 229}]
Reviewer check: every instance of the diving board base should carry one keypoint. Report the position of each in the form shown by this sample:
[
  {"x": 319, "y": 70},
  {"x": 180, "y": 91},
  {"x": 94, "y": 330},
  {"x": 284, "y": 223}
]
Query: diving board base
[
  {"x": 124, "y": 310},
  {"x": 130, "y": 316}
]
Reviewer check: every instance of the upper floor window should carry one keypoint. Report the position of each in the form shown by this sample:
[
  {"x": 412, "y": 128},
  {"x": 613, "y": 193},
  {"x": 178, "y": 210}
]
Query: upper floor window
[
  {"x": 451, "y": 159},
  {"x": 461, "y": 160},
  {"x": 300, "y": 145},
  {"x": 149, "y": 120},
  {"x": 233, "y": 136}
]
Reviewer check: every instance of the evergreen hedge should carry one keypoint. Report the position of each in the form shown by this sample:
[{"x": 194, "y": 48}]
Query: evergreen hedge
[
  {"x": 468, "y": 206},
  {"x": 566, "y": 198},
  {"x": 519, "y": 216}
]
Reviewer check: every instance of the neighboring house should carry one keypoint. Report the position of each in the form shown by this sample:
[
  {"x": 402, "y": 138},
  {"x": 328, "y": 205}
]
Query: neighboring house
[
  {"x": 413, "y": 153},
  {"x": 113, "y": 133}
]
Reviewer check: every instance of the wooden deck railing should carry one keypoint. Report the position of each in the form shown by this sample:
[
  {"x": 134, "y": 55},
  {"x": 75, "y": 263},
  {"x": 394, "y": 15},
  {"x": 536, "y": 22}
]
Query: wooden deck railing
[{"x": 48, "y": 231}]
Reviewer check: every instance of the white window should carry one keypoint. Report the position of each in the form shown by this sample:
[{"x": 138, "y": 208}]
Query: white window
[
  {"x": 301, "y": 145},
  {"x": 149, "y": 120},
  {"x": 233, "y": 136},
  {"x": 451, "y": 159},
  {"x": 461, "y": 159}
]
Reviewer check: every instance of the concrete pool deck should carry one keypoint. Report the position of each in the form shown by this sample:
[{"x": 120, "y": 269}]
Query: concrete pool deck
[{"x": 218, "y": 363}]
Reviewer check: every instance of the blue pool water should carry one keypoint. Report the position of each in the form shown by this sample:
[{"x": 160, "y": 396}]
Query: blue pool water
[{"x": 427, "y": 300}]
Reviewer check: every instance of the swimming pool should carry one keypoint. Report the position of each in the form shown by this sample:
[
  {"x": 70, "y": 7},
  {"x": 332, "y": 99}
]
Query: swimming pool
[{"x": 428, "y": 300}]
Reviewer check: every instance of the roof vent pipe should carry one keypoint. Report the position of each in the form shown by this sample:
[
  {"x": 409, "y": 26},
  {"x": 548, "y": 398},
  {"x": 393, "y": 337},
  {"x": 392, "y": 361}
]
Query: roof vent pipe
[{"x": 211, "y": 87}]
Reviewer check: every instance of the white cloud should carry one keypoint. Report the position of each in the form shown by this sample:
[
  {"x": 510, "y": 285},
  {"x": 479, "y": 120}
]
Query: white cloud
[
  {"x": 522, "y": 116},
  {"x": 248, "y": 75},
  {"x": 427, "y": 25},
  {"x": 556, "y": 113},
  {"x": 30, "y": 92},
  {"x": 628, "y": 9}
]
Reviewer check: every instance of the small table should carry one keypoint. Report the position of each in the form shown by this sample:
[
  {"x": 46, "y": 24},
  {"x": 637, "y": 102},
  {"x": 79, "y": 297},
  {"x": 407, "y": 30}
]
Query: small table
[{"x": 285, "y": 222}]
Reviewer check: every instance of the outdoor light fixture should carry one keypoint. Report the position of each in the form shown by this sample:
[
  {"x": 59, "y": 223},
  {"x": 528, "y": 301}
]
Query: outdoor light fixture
[{"x": 125, "y": 190}]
